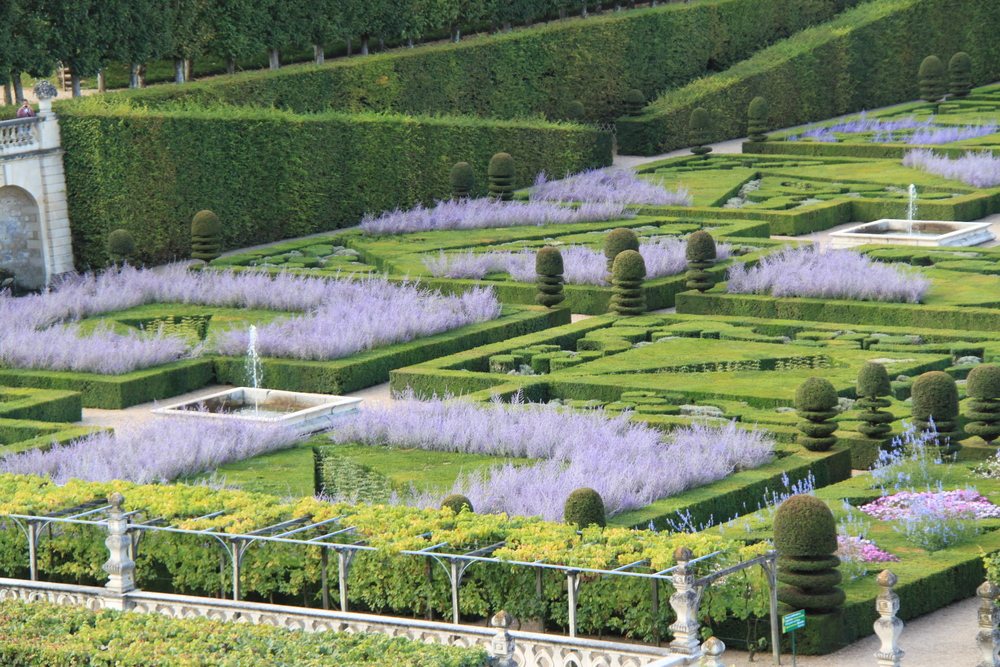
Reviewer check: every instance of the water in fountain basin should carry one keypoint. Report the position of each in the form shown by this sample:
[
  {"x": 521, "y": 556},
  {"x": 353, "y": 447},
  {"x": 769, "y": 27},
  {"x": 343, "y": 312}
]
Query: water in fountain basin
[
  {"x": 911, "y": 208},
  {"x": 254, "y": 367}
]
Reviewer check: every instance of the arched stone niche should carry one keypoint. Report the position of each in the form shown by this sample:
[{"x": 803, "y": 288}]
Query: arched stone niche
[{"x": 21, "y": 237}]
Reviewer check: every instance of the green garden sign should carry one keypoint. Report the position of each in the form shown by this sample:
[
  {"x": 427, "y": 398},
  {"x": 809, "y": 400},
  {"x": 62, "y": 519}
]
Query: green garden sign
[{"x": 793, "y": 621}]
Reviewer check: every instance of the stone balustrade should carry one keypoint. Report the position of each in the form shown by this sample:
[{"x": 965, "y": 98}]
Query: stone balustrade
[{"x": 20, "y": 135}]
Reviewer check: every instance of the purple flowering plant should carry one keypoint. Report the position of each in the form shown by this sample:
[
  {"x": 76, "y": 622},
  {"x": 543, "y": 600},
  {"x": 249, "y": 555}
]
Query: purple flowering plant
[
  {"x": 980, "y": 170},
  {"x": 621, "y": 186}
]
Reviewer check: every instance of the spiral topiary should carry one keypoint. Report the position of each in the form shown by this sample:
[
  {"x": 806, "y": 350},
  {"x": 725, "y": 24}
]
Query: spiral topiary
[
  {"x": 700, "y": 132},
  {"x": 815, "y": 400},
  {"x": 626, "y": 276},
  {"x": 206, "y": 236},
  {"x": 616, "y": 241},
  {"x": 584, "y": 507},
  {"x": 121, "y": 246},
  {"x": 462, "y": 180},
  {"x": 932, "y": 79},
  {"x": 758, "y": 115},
  {"x": 501, "y": 175},
  {"x": 700, "y": 255},
  {"x": 457, "y": 503},
  {"x": 960, "y": 74},
  {"x": 805, "y": 536},
  {"x": 935, "y": 397},
  {"x": 873, "y": 385},
  {"x": 549, "y": 268},
  {"x": 983, "y": 411},
  {"x": 635, "y": 102}
]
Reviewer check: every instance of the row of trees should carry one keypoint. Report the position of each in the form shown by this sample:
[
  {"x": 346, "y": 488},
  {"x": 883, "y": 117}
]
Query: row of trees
[{"x": 85, "y": 35}]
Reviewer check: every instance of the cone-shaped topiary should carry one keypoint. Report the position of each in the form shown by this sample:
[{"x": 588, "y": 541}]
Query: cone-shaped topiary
[
  {"x": 501, "y": 175},
  {"x": 758, "y": 119},
  {"x": 933, "y": 79},
  {"x": 873, "y": 386},
  {"x": 805, "y": 536},
  {"x": 206, "y": 236},
  {"x": 700, "y": 255},
  {"x": 627, "y": 274},
  {"x": 935, "y": 397},
  {"x": 700, "y": 131},
  {"x": 960, "y": 74},
  {"x": 462, "y": 180},
  {"x": 549, "y": 268},
  {"x": 584, "y": 507},
  {"x": 121, "y": 246},
  {"x": 574, "y": 111},
  {"x": 815, "y": 400},
  {"x": 457, "y": 503},
  {"x": 617, "y": 240},
  {"x": 983, "y": 410},
  {"x": 635, "y": 102}
]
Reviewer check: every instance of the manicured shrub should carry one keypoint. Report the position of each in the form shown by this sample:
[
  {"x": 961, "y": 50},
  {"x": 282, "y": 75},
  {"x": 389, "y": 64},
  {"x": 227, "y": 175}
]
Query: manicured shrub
[
  {"x": 805, "y": 536},
  {"x": 700, "y": 255},
  {"x": 615, "y": 242},
  {"x": 960, "y": 74},
  {"x": 206, "y": 236},
  {"x": 121, "y": 246},
  {"x": 983, "y": 411},
  {"x": 815, "y": 400},
  {"x": 635, "y": 102},
  {"x": 627, "y": 277},
  {"x": 757, "y": 119},
  {"x": 584, "y": 507},
  {"x": 462, "y": 180},
  {"x": 457, "y": 503},
  {"x": 549, "y": 270},
  {"x": 933, "y": 81},
  {"x": 700, "y": 132},
  {"x": 501, "y": 175},
  {"x": 574, "y": 111},
  {"x": 873, "y": 386},
  {"x": 935, "y": 397}
]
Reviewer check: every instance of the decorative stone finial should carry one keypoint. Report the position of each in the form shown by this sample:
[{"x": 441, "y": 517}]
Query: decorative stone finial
[
  {"x": 682, "y": 554},
  {"x": 888, "y": 627},
  {"x": 502, "y": 646},
  {"x": 713, "y": 648},
  {"x": 45, "y": 90},
  {"x": 887, "y": 579},
  {"x": 685, "y": 604},
  {"x": 501, "y": 620},
  {"x": 988, "y": 637},
  {"x": 988, "y": 591},
  {"x": 116, "y": 500}
]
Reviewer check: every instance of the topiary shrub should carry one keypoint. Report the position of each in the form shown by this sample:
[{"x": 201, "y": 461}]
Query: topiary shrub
[
  {"x": 501, "y": 175},
  {"x": 873, "y": 386},
  {"x": 584, "y": 507},
  {"x": 574, "y": 111},
  {"x": 700, "y": 255},
  {"x": 206, "y": 236},
  {"x": 758, "y": 116},
  {"x": 462, "y": 180},
  {"x": 626, "y": 275},
  {"x": 121, "y": 246},
  {"x": 457, "y": 503},
  {"x": 932, "y": 79},
  {"x": 815, "y": 400},
  {"x": 983, "y": 408},
  {"x": 960, "y": 74},
  {"x": 549, "y": 267},
  {"x": 615, "y": 242},
  {"x": 935, "y": 398},
  {"x": 635, "y": 102},
  {"x": 805, "y": 536},
  {"x": 700, "y": 132}
]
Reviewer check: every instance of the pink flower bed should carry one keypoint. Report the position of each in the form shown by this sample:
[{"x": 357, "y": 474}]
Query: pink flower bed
[
  {"x": 858, "y": 549},
  {"x": 961, "y": 502}
]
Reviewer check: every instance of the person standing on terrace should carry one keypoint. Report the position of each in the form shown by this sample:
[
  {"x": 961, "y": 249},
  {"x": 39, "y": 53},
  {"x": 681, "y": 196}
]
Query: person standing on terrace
[{"x": 25, "y": 111}]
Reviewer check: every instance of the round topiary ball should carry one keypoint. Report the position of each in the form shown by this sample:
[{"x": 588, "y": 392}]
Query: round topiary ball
[
  {"x": 816, "y": 394},
  {"x": 457, "y": 503},
  {"x": 700, "y": 247},
  {"x": 501, "y": 166},
  {"x": 584, "y": 507},
  {"x": 549, "y": 262},
  {"x": 629, "y": 266},
  {"x": 121, "y": 243},
  {"x": 935, "y": 394},
  {"x": 983, "y": 382},
  {"x": 205, "y": 223},
  {"x": 618, "y": 240},
  {"x": 804, "y": 527},
  {"x": 575, "y": 111},
  {"x": 635, "y": 102},
  {"x": 873, "y": 381},
  {"x": 462, "y": 180}
]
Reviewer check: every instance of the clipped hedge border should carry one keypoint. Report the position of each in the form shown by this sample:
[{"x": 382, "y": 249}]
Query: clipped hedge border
[
  {"x": 17, "y": 435},
  {"x": 40, "y": 405}
]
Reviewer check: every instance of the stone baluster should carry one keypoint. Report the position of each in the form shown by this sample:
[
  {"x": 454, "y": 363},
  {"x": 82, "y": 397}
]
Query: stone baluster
[
  {"x": 685, "y": 604},
  {"x": 888, "y": 627},
  {"x": 988, "y": 637},
  {"x": 502, "y": 647},
  {"x": 713, "y": 648},
  {"x": 120, "y": 568}
]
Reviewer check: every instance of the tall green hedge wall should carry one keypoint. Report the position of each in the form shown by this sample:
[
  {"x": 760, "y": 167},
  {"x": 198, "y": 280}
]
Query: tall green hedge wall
[
  {"x": 866, "y": 58},
  {"x": 271, "y": 175},
  {"x": 531, "y": 72}
]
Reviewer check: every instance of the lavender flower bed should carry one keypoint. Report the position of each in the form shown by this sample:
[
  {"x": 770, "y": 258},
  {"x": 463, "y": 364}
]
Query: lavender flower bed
[
  {"x": 835, "y": 274},
  {"x": 620, "y": 186},
  {"x": 906, "y": 504},
  {"x": 946, "y": 135},
  {"x": 489, "y": 214},
  {"x": 980, "y": 170},
  {"x": 629, "y": 464},
  {"x": 159, "y": 450},
  {"x": 920, "y": 132}
]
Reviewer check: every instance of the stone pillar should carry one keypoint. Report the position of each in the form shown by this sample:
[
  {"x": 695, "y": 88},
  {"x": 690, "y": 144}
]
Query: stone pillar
[
  {"x": 888, "y": 627},
  {"x": 501, "y": 649},
  {"x": 685, "y": 604},
  {"x": 56, "y": 238},
  {"x": 988, "y": 637},
  {"x": 120, "y": 568},
  {"x": 713, "y": 648}
]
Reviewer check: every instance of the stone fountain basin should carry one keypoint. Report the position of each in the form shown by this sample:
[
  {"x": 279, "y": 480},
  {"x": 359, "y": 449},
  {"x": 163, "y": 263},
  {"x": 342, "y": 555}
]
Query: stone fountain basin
[
  {"x": 303, "y": 412},
  {"x": 929, "y": 233}
]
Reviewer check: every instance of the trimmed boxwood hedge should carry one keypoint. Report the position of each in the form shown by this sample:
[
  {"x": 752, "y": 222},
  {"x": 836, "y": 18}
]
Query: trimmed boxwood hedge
[
  {"x": 17, "y": 435},
  {"x": 40, "y": 405}
]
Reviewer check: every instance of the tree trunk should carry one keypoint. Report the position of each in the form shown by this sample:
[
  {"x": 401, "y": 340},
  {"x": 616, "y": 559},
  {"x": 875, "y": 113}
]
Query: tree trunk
[
  {"x": 506, "y": 26},
  {"x": 350, "y": 47},
  {"x": 583, "y": 12},
  {"x": 189, "y": 69},
  {"x": 178, "y": 70},
  {"x": 133, "y": 75},
  {"x": 101, "y": 84},
  {"x": 76, "y": 85},
  {"x": 230, "y": 66},
  {"x": 494, "y": 26},
  {"x": 456, "y": 33},
  {"x": 364, "y": 45},
  {"x": 562, "y": 13},
  {"x": 274, "y": 58},
  {"x": 142, "y": 75},
  {"x": 18, "y": 90},
  {"x": 381, "y": 44},
  {"x": 318, "y": 55},
  {"x": 598, "y": 9},
  {"x": 409, "y": 42},
  {"x": 7, "y": 99}
]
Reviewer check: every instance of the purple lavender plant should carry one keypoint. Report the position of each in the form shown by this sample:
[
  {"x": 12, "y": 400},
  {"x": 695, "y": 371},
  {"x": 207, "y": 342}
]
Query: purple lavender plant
[
  {"x": 620, "y": 186},
  {"x": 980, "y": 170},
  {"x": 946, "y": 135}
]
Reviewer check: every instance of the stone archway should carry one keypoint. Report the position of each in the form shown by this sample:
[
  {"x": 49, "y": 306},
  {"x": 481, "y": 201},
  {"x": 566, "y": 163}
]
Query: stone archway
[{"x": 21, "y": 237}]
